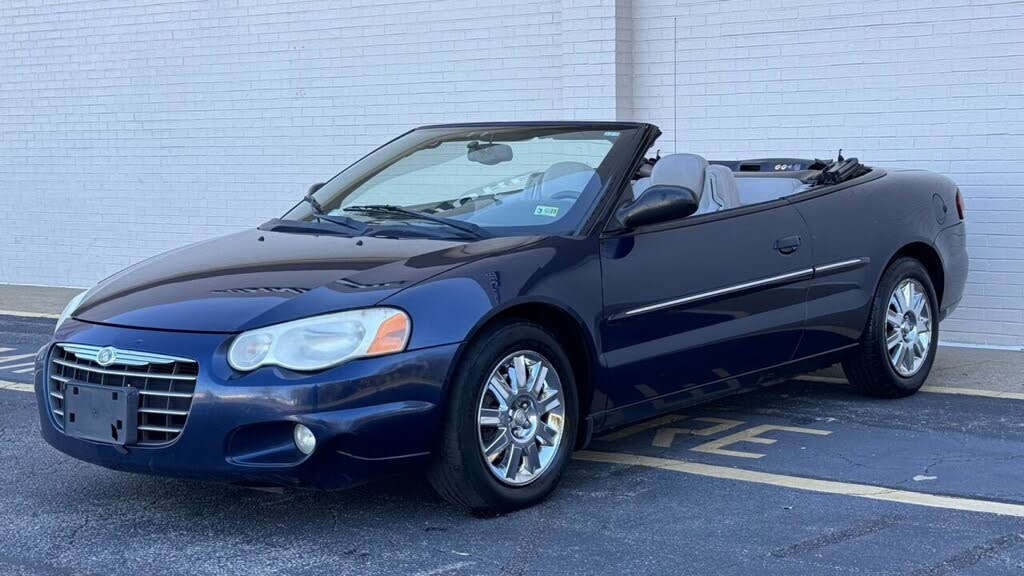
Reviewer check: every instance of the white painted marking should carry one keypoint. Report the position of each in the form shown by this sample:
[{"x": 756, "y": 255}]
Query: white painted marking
[
  {"x": 16, "y": 386},
  {"x": 926, "y": 388},
  {"x": 28, "y": 314},
  {"x": 809, "y": 484},
  {"x": 445, "y": 569},
  {"x": 25, "y": 370},
  {"x": 21, "y": 365},
  {"x": 14, "y": 357},
  {"x": 981, "y": 346},
  {"x": 974, "y": 392}
]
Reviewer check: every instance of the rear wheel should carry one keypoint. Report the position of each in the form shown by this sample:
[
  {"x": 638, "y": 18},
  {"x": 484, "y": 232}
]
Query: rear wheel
[
  {"x": 897, "y": 348},
  {"x": 509, "y": 423}
]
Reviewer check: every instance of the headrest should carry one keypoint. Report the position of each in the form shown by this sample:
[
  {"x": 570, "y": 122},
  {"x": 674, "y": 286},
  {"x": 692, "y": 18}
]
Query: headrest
[
  {"x": 685, "y": 170},
  {"x": 723, "y": 187}
]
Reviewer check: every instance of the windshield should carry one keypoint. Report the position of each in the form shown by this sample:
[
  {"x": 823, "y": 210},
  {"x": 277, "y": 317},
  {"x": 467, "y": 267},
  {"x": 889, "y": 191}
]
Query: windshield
[{"x": 500, "y": 180}]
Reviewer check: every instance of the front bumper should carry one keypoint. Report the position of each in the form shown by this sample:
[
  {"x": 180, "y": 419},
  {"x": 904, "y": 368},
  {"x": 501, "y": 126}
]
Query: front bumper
[{"x": 371, "y": 417}]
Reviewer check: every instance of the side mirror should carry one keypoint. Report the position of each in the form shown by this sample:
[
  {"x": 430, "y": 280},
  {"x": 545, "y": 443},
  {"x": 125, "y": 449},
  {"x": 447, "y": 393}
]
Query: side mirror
[
  {"x": 659, "y": 203},
  {"x": 315, "y": 187}
]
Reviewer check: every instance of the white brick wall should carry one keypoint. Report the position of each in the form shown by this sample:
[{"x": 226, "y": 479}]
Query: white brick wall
[
  {"x": 932, "y": 84},
  {"x": 130, "y": 127}
]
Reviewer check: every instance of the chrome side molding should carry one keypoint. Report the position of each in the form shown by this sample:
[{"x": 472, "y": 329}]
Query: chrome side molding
[
  {"x": 794, "y": 276},
  {"x": 841, "y": 265},
  {"x": 781, "y": 278}
]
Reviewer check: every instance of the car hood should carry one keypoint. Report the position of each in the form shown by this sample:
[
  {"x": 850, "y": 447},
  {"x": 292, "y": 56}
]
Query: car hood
[{"x": 257, "y": 278}]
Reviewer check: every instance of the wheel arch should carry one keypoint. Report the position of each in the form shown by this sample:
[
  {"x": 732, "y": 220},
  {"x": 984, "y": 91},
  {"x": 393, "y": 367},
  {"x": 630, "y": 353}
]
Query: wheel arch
[
  {"x": 570, "y": 331},
  {"x": 929, "y": 257}
]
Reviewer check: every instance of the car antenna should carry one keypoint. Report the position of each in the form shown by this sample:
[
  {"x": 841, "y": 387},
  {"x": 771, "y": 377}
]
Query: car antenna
[
  {"x": 675, "y": 84},
  {"x": 840, "y": 159}
]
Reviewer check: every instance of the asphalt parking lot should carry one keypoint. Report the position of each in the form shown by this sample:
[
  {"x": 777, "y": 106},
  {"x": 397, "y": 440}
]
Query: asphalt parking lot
[{"x": 806, "y": 477}]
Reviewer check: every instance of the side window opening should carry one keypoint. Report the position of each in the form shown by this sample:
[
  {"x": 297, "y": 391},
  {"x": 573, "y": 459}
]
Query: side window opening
[{"x": 739, "y": 183}]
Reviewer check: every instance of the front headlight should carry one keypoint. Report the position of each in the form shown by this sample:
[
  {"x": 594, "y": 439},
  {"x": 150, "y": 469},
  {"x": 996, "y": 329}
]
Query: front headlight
[
  {"x": 69, "y": 310},
  {"x": 322, "y": 341}
]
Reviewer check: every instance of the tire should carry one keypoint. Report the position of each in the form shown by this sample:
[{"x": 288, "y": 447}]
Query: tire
[
  {"x": 460, "y": 472},
  {"x": 872, "y": 367}
]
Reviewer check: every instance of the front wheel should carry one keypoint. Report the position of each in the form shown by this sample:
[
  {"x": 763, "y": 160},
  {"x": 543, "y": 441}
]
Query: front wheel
[
  {"x": 898, "y": 345},
  {"x": 509, "y": 420}
]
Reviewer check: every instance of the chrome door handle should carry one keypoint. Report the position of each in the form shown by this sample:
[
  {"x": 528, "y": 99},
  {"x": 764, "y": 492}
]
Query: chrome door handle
[{"x": 787, "y": 245}]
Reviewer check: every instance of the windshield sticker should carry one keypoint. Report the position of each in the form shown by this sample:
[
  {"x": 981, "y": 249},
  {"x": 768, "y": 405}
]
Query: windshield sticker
[
  {"x": 551, "y": 211},
  {"x": 612, "y": 134}
]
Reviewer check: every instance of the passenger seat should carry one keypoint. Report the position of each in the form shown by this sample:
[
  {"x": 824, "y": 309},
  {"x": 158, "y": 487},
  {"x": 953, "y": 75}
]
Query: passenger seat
[
  {"x": 714, "y": 185},
  {"x": 724, "y": 191}
]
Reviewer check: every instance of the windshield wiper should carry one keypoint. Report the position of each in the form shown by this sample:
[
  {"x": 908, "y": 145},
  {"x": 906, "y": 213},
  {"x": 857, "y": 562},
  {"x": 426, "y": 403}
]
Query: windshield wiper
[
  {"x": 466, "y": 227},
  {"x": 319, "y": 214}
]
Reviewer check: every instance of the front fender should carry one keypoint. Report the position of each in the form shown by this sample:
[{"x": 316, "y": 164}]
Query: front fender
[
  {"x": 449, "y": 308},
  {"x": 563, "y": 273}
]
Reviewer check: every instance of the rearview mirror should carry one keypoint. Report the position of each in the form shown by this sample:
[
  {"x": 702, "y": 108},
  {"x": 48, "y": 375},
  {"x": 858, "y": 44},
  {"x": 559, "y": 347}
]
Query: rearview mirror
[
  {"x": 659, "y": 203},
  {"x": 489, "y": 154}
]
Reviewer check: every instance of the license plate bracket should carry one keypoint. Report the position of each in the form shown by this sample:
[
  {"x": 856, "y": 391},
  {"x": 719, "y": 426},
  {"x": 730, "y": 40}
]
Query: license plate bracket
[{"x": 105, "y": 414}]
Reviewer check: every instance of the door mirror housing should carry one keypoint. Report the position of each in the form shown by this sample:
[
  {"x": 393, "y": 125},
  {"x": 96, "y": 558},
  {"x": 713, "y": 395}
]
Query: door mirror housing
[{"x": 659, "y": 203}]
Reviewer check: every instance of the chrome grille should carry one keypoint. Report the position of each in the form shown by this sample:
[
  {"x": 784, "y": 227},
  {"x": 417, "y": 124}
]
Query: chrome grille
[{"x": 165, "y": 384}]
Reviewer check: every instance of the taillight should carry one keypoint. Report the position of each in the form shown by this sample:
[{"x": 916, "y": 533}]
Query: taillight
[{"x": 959, "y": 204}]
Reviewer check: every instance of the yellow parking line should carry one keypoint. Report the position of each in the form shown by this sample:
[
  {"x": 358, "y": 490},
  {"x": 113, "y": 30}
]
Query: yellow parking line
[
  {"x": 16, "y": 386},
  {"x": 28, "y": 314},
  {"x": 637, "y": 428},
  {"x": 822, "y": 379},
  {"x": 926, "y": 388},
  {"x": 808, "y": 484}
]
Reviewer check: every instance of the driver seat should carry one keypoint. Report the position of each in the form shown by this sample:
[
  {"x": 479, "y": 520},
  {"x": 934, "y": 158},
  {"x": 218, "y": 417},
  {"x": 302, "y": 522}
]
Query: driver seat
[
  {"x": 686, "y": 170},
  {"x": 714, "y": 185},
  {"x": 563, "y": 177}
]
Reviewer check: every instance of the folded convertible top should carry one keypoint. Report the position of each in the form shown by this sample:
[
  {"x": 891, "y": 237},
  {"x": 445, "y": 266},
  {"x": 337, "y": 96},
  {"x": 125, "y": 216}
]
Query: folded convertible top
[{"x": 815, "y": 172}]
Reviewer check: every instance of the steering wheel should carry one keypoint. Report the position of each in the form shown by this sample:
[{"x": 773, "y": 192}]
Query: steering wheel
[{"x": 566, "y": 195}]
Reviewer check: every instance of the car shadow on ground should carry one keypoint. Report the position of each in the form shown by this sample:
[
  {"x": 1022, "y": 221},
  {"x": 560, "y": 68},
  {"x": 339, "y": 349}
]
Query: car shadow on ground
[
  {"x": 63, "y": 515},
  {"x": 409, "y": 496}
]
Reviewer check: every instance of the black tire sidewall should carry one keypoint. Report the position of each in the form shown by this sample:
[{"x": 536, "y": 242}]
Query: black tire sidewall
[
  {"x": 904, "y": 269},
  {"x": 468, "y": 384}
]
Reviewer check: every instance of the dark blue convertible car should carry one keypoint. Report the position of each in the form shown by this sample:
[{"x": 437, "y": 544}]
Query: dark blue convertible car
[{"x": 477, "y": 300}]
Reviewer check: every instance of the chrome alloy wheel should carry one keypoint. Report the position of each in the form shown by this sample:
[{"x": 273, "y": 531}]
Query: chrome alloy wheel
[
  {"x": 908, "y": 327},
  {"x": 521, "y": 418}
]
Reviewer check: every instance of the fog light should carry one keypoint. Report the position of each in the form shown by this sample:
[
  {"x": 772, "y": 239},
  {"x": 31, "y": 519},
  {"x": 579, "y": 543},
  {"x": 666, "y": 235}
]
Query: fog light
[{"x": 304, "y": 439}]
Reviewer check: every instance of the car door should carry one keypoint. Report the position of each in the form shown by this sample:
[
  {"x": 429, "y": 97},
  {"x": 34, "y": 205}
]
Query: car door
[
  {"x": 849, "y": 262},
  {"x": 696, "y": 303}
]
